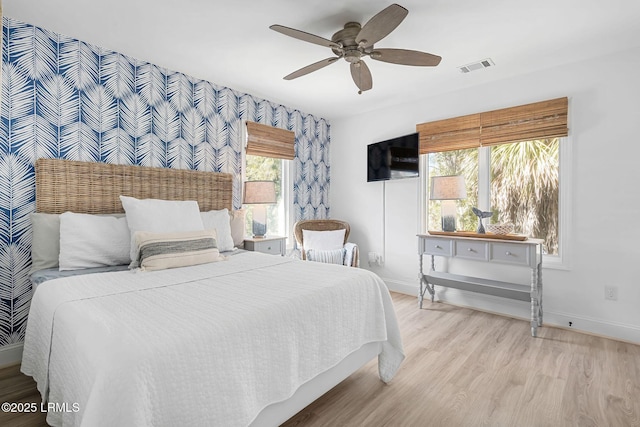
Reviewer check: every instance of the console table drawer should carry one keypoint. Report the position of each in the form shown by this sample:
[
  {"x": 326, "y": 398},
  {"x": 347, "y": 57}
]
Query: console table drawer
[
  {"x": 443, "y": 247},
  {"x": 471, "y": 249},
  {"x": 510, "y": 253}
]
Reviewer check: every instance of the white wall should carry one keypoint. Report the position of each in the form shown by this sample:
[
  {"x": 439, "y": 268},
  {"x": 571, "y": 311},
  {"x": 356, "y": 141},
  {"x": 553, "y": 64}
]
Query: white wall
[{"x": 604, "y": 112}]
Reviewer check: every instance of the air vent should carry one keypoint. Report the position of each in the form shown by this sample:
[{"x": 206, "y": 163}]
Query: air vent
[{"x": 477, "y": 65}]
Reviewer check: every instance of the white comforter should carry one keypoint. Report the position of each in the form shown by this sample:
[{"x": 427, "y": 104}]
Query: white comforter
[{"x": 205, "y": 345}]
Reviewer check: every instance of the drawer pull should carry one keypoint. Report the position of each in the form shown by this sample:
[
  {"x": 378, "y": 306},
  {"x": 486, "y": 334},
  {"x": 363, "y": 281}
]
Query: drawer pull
[
  {"x": 507, "y": 253},
  {"x": 269, "y": 248},
  {"x": 470, "y": 250},
  {"x": 438, "y": 247}
]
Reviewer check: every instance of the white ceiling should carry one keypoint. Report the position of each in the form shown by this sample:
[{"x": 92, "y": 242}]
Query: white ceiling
[{"x": 229, "y": 42}]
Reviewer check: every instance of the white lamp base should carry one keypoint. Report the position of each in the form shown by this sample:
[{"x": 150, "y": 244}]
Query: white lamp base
[
  {"x": 448, "y": 213},
  {"x": 259, "y": 225}
]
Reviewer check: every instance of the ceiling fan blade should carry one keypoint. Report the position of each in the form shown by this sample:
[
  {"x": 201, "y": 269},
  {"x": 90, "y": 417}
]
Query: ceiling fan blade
[
  {"x": 381, "y": 25},
  {"x": 406, "y": 57},
  {"x": 361, "y": 76},
  {"x": 311, "y": 68},
  {"x": 301, "y": 35}
]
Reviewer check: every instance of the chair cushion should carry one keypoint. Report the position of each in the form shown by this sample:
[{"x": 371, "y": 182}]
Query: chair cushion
[{"x": 322, "y": 240}]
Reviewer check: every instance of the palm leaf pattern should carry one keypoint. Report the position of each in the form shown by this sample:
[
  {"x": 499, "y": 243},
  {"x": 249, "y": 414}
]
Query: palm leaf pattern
[
  {"x": 118, "y": 74},
  {"x": 295, "y": 121},
  {"x": 179, "y": 92},
  {"x": 280, "y": 118},
  {"x": 303, "y": 149},
  {"x": 135, "y": 116},
  {"x": 64, "y": 98},
  {"x": 151, "y": 84},
  {"x": 15, "y": 290},
  {"x": 316, "y": 195},
  {"x": 204, "y": 157},
  {"x": 57, "y": 100},
  {"x": 179, "y": 154},
  {"x": 218, "y": 132},
  {"x": 317, "y": 152},
  {"x": 33, "y": 137},
  {"x": 18, "y": 92},
  {"x": 118, "y": 148},
  {"x": 79, "y": 142},
  {"x": 248, "y": 108},
  {"x": 166, "y": 122},
  {"x": 99, "y": 109},
  {"x": 204, "y": 99},
  {"x": 192, "y": 127},
  {"x": 79, "y": 63},
  {"x": 35, "y": 50},
  {"x": 265, "y": 113},
  {"x": 151, "y": 151},
  {"x": 228, "y": 103},
  {"x": 322, "y": 173}
]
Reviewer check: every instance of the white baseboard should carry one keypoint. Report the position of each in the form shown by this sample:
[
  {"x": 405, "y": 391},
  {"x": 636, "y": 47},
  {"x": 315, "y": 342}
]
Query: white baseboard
[
  {"x": 10, "y": 354},
  {"x": 522, "y": 310}
]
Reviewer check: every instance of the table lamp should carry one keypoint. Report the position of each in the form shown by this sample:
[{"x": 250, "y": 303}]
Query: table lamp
[
  {"x": 259, "y": 193},
  {"x": 448, "y": 189}
]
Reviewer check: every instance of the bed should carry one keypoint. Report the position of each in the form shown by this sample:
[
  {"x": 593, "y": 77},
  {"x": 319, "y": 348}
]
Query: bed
[{"x": 250, "y": 340}]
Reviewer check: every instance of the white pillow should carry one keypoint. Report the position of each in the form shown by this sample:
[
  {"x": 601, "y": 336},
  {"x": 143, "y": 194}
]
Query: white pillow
[
  {"x": 221, "y": 222},
  {"x": 237, "y": 227},
  {"x": 88, "y": 241},
  {"x": 323, "y": 240},
  {"x": 160, "y": 216},
  {"x": 45, "y": 241}
]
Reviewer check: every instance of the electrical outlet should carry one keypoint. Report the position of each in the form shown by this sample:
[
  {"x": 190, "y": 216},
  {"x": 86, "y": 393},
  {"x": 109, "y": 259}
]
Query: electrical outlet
[
  {"x": 611, "y": 293},
  {"x": 375, "y": 258}
]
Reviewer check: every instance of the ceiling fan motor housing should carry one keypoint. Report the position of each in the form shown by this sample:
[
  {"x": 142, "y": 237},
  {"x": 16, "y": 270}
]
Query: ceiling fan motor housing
[{"x": 351, "y": 50}]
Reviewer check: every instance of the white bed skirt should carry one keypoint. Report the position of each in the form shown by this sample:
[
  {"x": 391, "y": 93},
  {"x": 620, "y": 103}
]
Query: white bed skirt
[{"x": 277, "y": 413}]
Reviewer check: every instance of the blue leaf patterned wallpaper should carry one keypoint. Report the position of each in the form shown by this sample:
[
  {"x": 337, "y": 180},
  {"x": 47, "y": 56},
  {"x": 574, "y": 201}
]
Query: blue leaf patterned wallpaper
[{"x": 64, "y": 98}]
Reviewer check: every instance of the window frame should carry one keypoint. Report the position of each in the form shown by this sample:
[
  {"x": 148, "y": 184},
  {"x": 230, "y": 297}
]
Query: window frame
[
  {"x": 560, "y": 261},
  {"x": 287, "y": 194}
]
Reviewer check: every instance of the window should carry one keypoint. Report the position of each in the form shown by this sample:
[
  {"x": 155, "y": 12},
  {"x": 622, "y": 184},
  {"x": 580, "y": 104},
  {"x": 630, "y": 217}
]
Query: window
[
  {"x": 525, "y": 182},
  {"x": 267, "y": 153},
  {"x": 268, "y": 169},
  {"x": 522, "y": 187},
  {"x": 457, "y": 162}
]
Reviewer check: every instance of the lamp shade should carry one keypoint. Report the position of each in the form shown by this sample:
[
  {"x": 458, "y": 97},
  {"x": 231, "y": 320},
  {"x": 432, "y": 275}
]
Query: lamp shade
[
  {"x": 449, "y": 187},
  {"x": 259, "y": 192}
]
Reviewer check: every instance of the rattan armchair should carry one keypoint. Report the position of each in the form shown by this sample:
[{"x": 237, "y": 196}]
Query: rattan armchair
[{"x": 324, "y": 225}]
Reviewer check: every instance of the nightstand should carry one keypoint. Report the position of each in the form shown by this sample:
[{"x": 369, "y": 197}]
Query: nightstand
[{"x": 274, "y": 245}]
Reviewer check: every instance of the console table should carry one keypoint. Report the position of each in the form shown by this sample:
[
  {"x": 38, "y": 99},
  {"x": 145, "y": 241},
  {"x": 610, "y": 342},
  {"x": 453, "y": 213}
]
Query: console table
[{"x": 526, "y": 253}]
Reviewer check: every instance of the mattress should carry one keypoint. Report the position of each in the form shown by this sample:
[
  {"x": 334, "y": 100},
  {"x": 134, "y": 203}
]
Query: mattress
[
  {"x": 40, "y": 276},
  {"x": 205, "y": 345}
]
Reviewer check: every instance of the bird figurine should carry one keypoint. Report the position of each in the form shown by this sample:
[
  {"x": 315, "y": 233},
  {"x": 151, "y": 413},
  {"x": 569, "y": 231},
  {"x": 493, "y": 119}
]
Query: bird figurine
[{"x": 481, "y": 215}]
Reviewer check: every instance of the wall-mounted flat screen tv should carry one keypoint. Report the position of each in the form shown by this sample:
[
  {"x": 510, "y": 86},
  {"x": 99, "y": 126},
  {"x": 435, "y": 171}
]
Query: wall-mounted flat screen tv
[{"x": 393, "y": 159}]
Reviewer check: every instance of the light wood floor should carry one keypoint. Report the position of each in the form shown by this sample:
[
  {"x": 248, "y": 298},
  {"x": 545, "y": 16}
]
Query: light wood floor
[{"x": 464, "y": 368}]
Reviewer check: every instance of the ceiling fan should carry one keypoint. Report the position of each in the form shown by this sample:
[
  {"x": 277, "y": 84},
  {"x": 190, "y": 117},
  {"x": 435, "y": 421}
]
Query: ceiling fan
[{"x": 354, "y": 42}]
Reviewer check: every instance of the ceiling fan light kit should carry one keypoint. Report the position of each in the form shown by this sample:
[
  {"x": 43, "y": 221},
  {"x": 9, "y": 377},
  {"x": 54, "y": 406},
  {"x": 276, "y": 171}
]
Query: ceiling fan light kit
[{"x": 354, "y": 42}]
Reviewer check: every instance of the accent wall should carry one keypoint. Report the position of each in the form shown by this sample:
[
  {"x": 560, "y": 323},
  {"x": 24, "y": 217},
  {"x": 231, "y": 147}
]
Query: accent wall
[{"x": 64, "y": 98}]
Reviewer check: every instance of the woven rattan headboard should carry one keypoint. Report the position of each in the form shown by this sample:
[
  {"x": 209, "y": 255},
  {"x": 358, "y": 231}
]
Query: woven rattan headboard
[{"x": 94, "y": 188}]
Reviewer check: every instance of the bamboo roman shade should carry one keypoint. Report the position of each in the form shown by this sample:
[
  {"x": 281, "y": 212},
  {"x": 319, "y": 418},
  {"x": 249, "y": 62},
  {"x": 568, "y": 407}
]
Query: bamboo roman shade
[
  {"x": 267, "y": 141},
  {"x": 546, "y": 119},
  {"x": 457, "y": 133}
]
